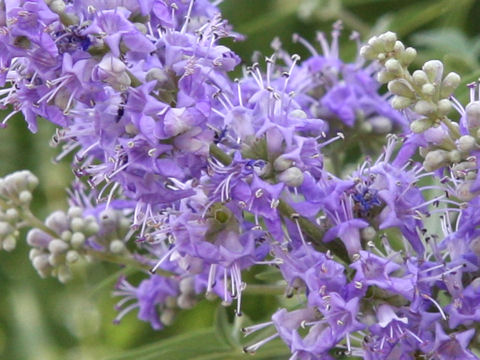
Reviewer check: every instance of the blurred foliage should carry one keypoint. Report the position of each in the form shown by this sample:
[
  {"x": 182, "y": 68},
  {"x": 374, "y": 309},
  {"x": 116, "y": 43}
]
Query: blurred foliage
[{"x": 42, "y": 319}]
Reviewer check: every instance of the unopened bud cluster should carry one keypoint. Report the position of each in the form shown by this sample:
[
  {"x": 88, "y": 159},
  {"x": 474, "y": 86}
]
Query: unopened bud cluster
[
  {"x": 16, "y": 195},
  {"x": 427, "y": 91},
  {"x": 70, "y": 237}
]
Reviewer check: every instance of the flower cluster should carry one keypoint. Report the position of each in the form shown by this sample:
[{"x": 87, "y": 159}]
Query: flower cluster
[{"x": 193, "y": 178}]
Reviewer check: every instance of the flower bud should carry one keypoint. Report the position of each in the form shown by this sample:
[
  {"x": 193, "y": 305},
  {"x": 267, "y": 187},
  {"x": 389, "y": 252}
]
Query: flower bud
[
  {"x": 11, "y": 215},
  {"x": 425, "y": 108},
  {"x": 434, "y": 70},
  {"x": 75, "y": 212},
  {"x": 436, "y": 159},
  {"x": 77, "y": 224},
  {"x": 428, "y": 89},
  {"x": 77, "y": 240},
  {"x": 9, "y": 243},
  {"x": 291, "y": 177},
  {"x": 5, "y": 229},
  {"x": 444, "y": 107},
  {"x": 41, "y": 264},
  {"x": 449, "y": 84},
  {"x": 466, "y": 143},
  {"x": 167, "y": 317},
  {"x": 421, "y": 125},
  {"x": 368, "y": 52},
  {"x": 57, "y": 221},
  {"x": 389, "y": 38},
  {"x": 400, "y": 102},
  {"x": 419, "y": 77},
  {"x": 64, "y": 274},
  {"x": 117, "y": 246},
  {"x": 473, "y": 114},
  {"x": 282, "y": 164},
  {"x": 57, "y": 246},
  {"x": 72, "y": 256},
  {"x": 402, "y": 88},
  {"x": 384, "y": 77},
  {"x": 408, "y": 56},
  {"x": 398, "y": 48},
  {"x": 393, "y": 66},
  {"x": 455, "y": 156}
]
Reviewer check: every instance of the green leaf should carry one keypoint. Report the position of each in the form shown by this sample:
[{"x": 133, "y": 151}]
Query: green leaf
[{"x": 269, "y": 275}]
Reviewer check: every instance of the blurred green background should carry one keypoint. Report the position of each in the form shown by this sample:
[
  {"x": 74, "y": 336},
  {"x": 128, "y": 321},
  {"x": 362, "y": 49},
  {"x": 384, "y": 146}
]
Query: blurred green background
[{"x": 43, "y": 319}]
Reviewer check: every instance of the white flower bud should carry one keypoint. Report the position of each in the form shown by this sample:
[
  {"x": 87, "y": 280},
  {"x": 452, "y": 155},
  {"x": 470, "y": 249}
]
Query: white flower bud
[
  {"x": 57, "y": 221},
  {"x": 57, "y": 6},
  {"x": 291, "y": 177},
  {"x": 185, "y": 302},
  {"x": 377, "y": 44},
  {"x": 281, "y": 163},
  {"x": 297, "y": 113},
  {"x": 25, "y": 197},
  {"x": 402, "y": 88},
  {"x": 398, "y": 48},
  {"x": 66, "y": 235},
  {"x": 436, "y": 159},
  {"x": 384, "y": 77},
  {"x": 428, "y": 89},
  {"x": 72, "y": 256},
  {"x": 33, "y": 253},
  {"x": 367, "y": 52},
  {"x": 400, "y": 102},
  {"x": 77, "y": 240},
  {"x": 368, "y": 233},
  {"x": 91, "y": 228},
  {"x": 455, "y": 156},
  {"x": 425, "y": 108},
  {"x": 421, "y": 125},
  {"x": 187, "y": 286},
  {"x": 37, "y": 238},
  {"x": 381, "y": 124},
  {"x": 77, "y": 224},
  {"x": 408, "y": 56},
  {"x": 434, "y": 70},
  {"x": 75, "y": 212},
  {"x": 117, "y": 246},
  {"x": 389, "y": 38},
  {"x": 167, "y": 317},
  {"x": 55, "y": 259},
  {"x": 64, "y": 274},
  {"x": 11, "y": 214},
  {"x": 449, "y": 84},
  {"x": 9, "y": 243},
  {"x": 444, "y": 107},
  {"x": 466, "y": 143},
  {"x": 57, "y": 246},
  {"x": 41, "y": 263},
  {"x": 393, "y": 66},
  {"x": 419, "y": 77},
  {"x": 473, "y": 114},
  {"x": 5, "y": 229}
]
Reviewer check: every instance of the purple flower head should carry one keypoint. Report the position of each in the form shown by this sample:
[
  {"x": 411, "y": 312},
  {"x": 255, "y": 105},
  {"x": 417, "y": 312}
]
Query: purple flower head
[
  {"x": 150, "y": 296},
  {"x": 453, "y": 346}
]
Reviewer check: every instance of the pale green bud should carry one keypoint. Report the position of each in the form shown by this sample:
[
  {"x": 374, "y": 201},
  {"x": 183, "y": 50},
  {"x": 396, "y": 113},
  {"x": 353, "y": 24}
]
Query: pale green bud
[
  {"x": 9, "y": 243},
  {"x": 462, "y": 191},
  {"x": 466, "y": 143},
  {"x": 5, "y": 229},
  {"x": 434, "y": 70},
  {"x": 389, "y": 38},
  {"x": 11, "y": 214},
  {"x": 186, "y": 302},
  {"x": 368, "y": 233},
  {"x": 398, "y": 48},
  {"x": 381, "y": 124},
  {"x": 25, "y": 197},
  {"x": 41, "y": 264},
  {"x": 436, "y": 159},
  {"x": 419, "y": 77},
  {"x": 425, "y": 108},
  {"x": 401, "y": 87},
  {"x": 282, "y": 164},
  {"x": 428, "y": 89},
  {"x": 187, "y": 285},
  {"x": 367, "y": 52},
  {"x": 384, "y": 77},
  {"x": 167, "y": 316},
  {"x": 75, "y": 212},
  {"x": 291, "y": 177},
  {"x": 449, "y": 84},
  {"x": 377, "y": 44},
  {"x": 117, "y": 246},
  {"x": 444, "y": 107},
  {"x": 77, "y": 224},
  {"x": 400, "y": 102},
  {"x": 393, "y": 66},
  {"x": 72, "y": 256},
  {"x": 57, "y": 246},
  {"x": 421, "y": 125},
  {"x": 473, "y": 114},
  {"x": 77, "y": 240},
  {"x": 408, "y": 56},
  {"x": 64, "y": 274},
  {"x": 455, "y": 156}
]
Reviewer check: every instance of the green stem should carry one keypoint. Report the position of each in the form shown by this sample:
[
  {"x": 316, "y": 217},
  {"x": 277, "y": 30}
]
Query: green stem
[
  {"x": 454, "y": 133},
  {"x": 218, "y": 154}
]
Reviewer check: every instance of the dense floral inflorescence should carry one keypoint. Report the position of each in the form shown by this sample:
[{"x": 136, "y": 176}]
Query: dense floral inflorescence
[{"x": 193, "y": 178}]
